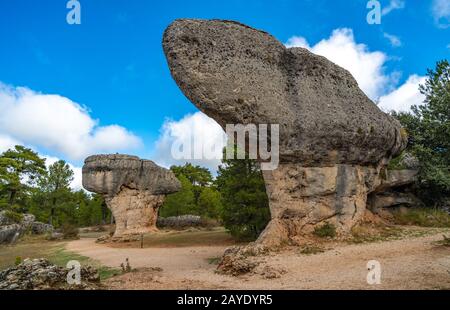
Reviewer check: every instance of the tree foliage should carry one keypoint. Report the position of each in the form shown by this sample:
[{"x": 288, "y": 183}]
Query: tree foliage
[
  {"x": 20, "y": 169},
  {"x": 27, "y": 185},
  {"x": 428, "y": 127},
  {"x": 198, "y": 195},
  {"x": 245, "y": 210},
  {"x": 56, "y": 185},
  {"x": 182, "y": 202}
]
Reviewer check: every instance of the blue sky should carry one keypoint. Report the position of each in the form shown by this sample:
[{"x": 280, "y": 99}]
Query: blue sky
[{"x": 113, "y": 70}]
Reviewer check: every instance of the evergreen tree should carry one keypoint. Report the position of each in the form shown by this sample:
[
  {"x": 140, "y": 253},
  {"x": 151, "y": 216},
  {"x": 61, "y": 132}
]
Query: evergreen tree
[
  {"x": 210, "y": 203},
  {"x": 20, "y": 168},
  {"x": 56, "y": 184},
  {"x": 182, "y": 202},
  {"x": 245, "y": 210},
  {"x": 428, "y": 128}
]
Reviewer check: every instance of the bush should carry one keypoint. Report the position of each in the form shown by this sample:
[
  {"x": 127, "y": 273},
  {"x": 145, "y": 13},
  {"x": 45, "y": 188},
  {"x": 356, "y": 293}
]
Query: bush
[
  {"x": 18, "y": 261},
  {"x": 324, "y": 231},
  {"x": 69, "y": 231},
  {"x": 13, "y": 216},
  {"x": 426, "y": 217}
]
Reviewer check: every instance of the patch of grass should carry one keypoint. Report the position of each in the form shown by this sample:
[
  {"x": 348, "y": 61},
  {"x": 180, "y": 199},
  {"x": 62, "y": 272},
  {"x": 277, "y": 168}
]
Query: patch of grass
[
  {"x": 363, "y": 234},
  {"x": 311, "y": 250},
  {"x": 213, "y": 260},
  {"x": 59, "y": 256},
  {"x": 37, "y": 247},
  {"x": 27, "y": 247},
  {"x": 186, "y": 238},
  {"x": 425, "y": 217},
  {"x": 327, "y": 230}
]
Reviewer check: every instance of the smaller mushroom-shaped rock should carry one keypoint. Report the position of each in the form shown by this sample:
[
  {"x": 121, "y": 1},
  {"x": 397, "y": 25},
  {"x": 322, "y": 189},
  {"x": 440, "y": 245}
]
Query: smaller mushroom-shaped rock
[{"x": 133, "y": 189}]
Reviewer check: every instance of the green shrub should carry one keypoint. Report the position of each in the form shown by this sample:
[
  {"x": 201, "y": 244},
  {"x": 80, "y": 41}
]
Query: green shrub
[
  {"x": 326, "y": 230},
  {"x": 18, "y": 261},
  {"x": 214, "y": 260},
  {"x": 13, "y": 216},
  {"x": 426, "y": 217},
  {"x": 397, "y": 163},
  {"x": 69, "y": 231}
]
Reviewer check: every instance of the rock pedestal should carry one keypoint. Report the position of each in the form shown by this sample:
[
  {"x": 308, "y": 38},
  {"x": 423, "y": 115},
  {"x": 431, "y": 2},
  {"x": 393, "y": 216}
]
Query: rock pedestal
[
  {"x": 301, "y": 198},
  {"x": 334, "y": 140},
  {"x": 133, "y": 188},
  {"x": 135, "y": 212}
]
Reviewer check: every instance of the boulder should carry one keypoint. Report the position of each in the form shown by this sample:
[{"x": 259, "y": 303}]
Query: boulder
[
  {"x": 133, "y": 188},
  {"x": 333, "y": 140},
  {"x": 396, "y": 178},
  {"x": 378, "y": 201},
  {"x": 186, "y": 220},
  {"x": 10, "y": 233},
  {"x": 395, "y": 189},
  {"x": 41, "y": 274},
  {"x": 40, "y": 228},
  {"x": 12, "y": 229}
]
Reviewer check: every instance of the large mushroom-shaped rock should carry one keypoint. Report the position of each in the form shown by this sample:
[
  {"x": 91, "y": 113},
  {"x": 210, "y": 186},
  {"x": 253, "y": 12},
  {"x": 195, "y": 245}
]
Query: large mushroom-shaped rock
[
  {"x": 133, "y": 188},
  {"x": 333, "y": 139}
]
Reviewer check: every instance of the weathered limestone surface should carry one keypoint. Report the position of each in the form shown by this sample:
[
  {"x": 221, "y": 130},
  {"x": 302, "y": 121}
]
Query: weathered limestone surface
[
  {"x": 11, "y": 231},
  {"x": 394, "y": 190},
  {"x": 302, "y": 197},
  {"x": 133, "y": 188},
  {"x": 334, "y": 140}
]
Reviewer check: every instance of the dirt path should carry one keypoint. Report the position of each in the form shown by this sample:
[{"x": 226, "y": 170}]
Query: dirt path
[{"x": 414, "y": 263}]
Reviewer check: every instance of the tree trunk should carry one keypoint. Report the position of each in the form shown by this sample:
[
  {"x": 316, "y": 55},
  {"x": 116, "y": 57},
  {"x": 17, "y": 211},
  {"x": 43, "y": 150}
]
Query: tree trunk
[
  {"x": 104, "y": 213},
  {"x": 52, "y": 211},
  {"x": 12, "y": 197}
]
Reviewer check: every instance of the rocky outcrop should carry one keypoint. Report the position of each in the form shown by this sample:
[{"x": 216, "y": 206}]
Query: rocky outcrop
[
  {"x": 394, "y": 190},
  {"x": 133, "y": 188},
  {"x": 334, "y": 140},
  {"x": 396, "y": 178},
  {"x": 180, "y": 221},
  {"x": 11, "y": 229},
  {"x": 39, "y": 274}
]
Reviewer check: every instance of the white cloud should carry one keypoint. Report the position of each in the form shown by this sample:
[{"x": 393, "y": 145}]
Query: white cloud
[
  {"x": 404, "y": 97},
  {"x": 6, "y": 142},
  {"x": 441, "y": 13},
  {"x": 77, "y": 175},
  {"x": 393, "y": 5},
  {"x": 58, "y": 124},
  {"x": 394, "y": 40},
  {"x": 296, "y": 41},
  {"x": 196, "y": 131},
  {"x": 364, "y": 65}
]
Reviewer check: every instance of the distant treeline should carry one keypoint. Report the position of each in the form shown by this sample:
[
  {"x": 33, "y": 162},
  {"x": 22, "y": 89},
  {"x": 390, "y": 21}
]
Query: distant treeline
[{"x": 28, "y": 186}]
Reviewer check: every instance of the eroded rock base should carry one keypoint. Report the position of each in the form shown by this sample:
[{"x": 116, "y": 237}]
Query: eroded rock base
[
  {"x": 303, "y": 198},
  {"x": 135, "y": 211}
]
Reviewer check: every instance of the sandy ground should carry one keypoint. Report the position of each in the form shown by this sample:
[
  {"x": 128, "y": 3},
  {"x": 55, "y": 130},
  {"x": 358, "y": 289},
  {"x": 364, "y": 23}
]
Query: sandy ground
[{"x": 413, "y": 263}]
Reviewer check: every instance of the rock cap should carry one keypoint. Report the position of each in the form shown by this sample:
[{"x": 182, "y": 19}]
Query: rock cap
[
  {"x": 107, "y": 173},
  {"x": 239, "y": 75}
]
